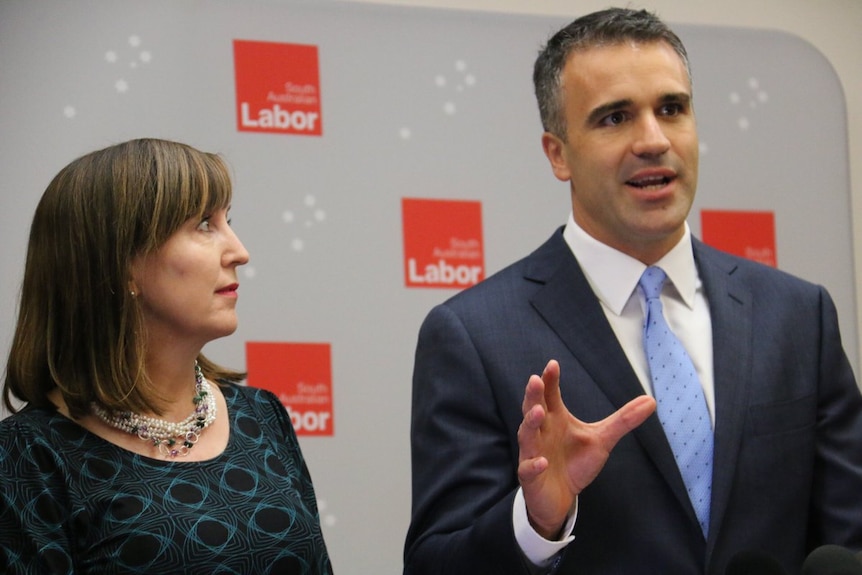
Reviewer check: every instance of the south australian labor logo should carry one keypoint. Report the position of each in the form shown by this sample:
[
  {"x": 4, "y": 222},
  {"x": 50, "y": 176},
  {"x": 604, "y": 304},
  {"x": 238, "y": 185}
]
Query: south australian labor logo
[
  {"x": 442, "y": 243},
  {"x": 277, "y": 88}
]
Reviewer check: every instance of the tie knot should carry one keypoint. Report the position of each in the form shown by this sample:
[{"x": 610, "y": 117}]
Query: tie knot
[{"x": 651, "y": 281}]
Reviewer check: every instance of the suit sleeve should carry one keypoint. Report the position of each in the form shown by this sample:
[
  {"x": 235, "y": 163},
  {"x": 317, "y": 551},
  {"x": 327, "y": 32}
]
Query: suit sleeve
[
  {"x": 836, "y": 505},
  {"x": 463, "y": 457}
]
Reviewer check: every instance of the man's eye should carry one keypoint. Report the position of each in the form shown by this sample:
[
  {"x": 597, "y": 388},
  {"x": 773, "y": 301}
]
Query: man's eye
[
  {"x": 614, "y": 119},
  {"x": 671, "y": 110}
]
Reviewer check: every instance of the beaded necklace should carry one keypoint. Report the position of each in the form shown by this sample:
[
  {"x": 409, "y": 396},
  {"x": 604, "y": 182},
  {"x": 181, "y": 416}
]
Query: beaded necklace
[{"x": 171, "y": 439}]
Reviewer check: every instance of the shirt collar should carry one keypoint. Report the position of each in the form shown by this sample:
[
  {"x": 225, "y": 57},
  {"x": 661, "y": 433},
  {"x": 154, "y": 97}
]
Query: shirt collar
[{"x": 614, "y": 275}]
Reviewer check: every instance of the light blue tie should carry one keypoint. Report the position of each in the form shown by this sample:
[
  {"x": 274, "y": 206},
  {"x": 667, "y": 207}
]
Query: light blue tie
[{"x": 681, "y": 406}]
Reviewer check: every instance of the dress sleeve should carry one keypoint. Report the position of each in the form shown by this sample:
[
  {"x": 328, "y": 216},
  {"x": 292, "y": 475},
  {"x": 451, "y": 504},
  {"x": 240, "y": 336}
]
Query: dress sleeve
[
  {"x": 277, "y": 421},
  {"x": 34, "y": 525}
]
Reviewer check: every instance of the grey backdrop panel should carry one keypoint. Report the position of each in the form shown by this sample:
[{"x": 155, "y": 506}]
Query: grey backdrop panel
[{"x": 772, "y": 124}]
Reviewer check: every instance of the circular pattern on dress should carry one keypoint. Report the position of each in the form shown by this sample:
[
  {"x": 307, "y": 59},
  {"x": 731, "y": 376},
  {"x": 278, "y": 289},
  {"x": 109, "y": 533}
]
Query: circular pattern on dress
[{"x": 252, "y": 509}]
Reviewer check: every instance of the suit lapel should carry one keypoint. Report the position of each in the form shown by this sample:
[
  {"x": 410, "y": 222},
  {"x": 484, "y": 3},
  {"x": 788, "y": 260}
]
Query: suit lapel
[
  {"x": 732, "y": 333},
  {"x": 572, "y": 310}
]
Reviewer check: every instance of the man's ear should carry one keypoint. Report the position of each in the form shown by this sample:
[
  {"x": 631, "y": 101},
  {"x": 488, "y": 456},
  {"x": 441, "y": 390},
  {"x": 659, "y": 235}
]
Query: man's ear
[{"x": 555, "y": 150}]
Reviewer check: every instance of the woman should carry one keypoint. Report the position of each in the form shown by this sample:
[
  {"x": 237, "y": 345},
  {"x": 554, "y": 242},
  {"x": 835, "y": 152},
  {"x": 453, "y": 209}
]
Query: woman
[{"x": 134, "y": 453}]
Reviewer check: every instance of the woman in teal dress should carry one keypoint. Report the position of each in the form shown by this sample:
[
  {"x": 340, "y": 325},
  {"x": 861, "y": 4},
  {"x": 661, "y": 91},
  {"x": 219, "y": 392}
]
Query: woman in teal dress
[{"x": 128, "y": 451}]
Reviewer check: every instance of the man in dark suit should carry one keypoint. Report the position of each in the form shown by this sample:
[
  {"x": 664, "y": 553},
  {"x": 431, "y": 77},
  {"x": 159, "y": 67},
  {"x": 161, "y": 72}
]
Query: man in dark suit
[{"x": 574, "y": 471}]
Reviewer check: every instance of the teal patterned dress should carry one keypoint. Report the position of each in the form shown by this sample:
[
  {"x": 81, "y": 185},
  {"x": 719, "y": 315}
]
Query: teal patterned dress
[{"x": 71, "y": 502}]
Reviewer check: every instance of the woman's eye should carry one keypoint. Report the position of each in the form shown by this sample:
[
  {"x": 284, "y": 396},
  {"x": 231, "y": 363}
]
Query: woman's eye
[{"x": 204, "y": 226}]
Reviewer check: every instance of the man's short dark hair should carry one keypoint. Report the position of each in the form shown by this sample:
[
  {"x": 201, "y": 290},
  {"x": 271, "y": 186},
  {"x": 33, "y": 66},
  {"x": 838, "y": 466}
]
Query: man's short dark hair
[{"x": 602, "y": 28}]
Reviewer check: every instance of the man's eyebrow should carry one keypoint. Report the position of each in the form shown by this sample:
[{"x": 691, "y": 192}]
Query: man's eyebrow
[{"x": 676, "y": 98}]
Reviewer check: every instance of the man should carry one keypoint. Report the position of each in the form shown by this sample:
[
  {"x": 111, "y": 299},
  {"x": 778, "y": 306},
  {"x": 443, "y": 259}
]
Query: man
[{"x": 580, "y": 472}]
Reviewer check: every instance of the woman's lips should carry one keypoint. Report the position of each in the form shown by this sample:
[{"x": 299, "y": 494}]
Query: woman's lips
[{"x": 228, "y": 290}]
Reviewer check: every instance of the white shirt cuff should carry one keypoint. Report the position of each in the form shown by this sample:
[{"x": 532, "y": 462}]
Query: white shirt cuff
[{"x": 536, "y": 548}]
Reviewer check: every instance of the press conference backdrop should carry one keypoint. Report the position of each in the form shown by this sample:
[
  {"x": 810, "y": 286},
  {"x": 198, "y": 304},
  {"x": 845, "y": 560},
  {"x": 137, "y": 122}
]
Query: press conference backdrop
[{"x": 398, "y": 106}]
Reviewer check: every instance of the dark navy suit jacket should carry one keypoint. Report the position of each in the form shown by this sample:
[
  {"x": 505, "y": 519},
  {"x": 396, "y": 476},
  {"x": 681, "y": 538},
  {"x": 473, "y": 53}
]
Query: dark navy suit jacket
[{"x": 788, "y": 430}]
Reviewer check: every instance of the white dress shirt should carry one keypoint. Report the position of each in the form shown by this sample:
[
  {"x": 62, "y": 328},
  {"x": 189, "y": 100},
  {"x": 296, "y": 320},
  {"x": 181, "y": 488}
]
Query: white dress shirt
[{"x": 613, "y": 277}]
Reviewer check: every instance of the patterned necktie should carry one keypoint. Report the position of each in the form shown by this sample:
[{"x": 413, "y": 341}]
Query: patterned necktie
[{"x": 681, "y": 406}]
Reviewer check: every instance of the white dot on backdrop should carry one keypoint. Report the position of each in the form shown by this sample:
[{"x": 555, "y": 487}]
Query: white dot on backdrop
[
  {"x": 703, "y": 147},
  {"x": 404, "y": 133},
  {"x": 133, "y": 64},
  {"x": 145, "y": 56},
  {"x": 449, "y": 108},
  {"x": 249, "y": 271},
  {"x": 287, "y": 216},
  {"x": 298, "y": 245},
  {"x": 470, "y": 80},
  {"x": 753, "y": 83},
  {"x": 322, "y": 504},
  {"x": 743, "y": 123},
  {"x": 330, "y": 520},
  {"x": 310, "y": 200},
  {"x": 319, "y": 215},
  {"x": 134, "y": 40},
  {"x": 460, "y": 65},
  {"x": 70, "y": 111},
  {"x": 121, "y": 86},
  {"x": 111, "y": 56},
  {"x": 763, "y": 96},
  {"x": 734, "y": 98},
  {"x": 440, "y": 80}
]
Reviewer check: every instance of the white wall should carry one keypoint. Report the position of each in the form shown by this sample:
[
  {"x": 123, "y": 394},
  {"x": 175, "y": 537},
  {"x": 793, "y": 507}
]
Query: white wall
[{"x": 831, "y": 26}]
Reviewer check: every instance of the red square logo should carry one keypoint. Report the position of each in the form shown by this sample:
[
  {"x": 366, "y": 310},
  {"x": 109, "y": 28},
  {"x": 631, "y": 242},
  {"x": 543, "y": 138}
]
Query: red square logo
[
  {"x": 442, "y": 243},
  {"x": 277, "y": 88},
  {"x": 300, "y": 374},
  {"x": 747, "y": 234}
]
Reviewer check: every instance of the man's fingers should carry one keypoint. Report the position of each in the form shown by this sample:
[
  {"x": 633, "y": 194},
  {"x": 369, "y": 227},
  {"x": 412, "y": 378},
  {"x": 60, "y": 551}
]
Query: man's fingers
[
  {"x": 534, "y": 394},
  {"x": 625, "y": 419},
  {"x": 551, "y": 379},
  {"x": 544, "y": 390},
  {"x": 529, "y": 433},
  {"x": 551, "y": 372},
  {"x": 530, "y": 469}
]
